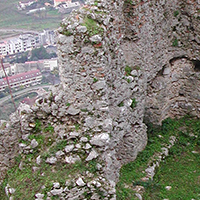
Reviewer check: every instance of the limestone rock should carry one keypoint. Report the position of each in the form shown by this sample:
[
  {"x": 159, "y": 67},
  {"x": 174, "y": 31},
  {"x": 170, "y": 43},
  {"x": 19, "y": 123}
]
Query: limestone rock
[
  {"x": 39, "y": 196},
  {"x": 72, "y": 111},
  {"x": 38, "y": 160},
  {"x": 55, "y": 192},
  {"x": 100, "y": 140},
  {"x": 34, "y": 143},
  {"x": 51, "y": 160},
  {"x": 80, "y": 182},
  {"x": 71, "y": 159},
  {"x": 69, "y": 148},
  {"x": 92, "y": 155}
]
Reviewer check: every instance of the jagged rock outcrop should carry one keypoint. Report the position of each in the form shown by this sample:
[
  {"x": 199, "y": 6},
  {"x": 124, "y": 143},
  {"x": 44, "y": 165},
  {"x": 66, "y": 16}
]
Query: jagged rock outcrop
[{"x": 120, "y": 62}]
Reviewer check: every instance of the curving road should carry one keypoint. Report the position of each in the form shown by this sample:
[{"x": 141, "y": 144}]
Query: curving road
[{"x": 22, "y": 92}]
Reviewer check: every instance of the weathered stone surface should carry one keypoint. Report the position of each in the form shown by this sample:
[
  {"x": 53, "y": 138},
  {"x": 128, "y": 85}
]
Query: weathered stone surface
[
  {"x": 56, "y": 185},
  {"x": 82, "y": 29},
  {"x": 72, "y": 111},
  {"x": 51, "y": 160},
  {"x": 92, "y": 155},
  {"x": 71, "y": 159},
  {"x": 34, "y": 143},
  {"x": 80, "y": 182},
  {"x": 100, "y": 140},
  {"x": 136, "y": 62},
  {"x": 38, "y": 160},
  {"x": 96, "y": 38},
  {"x": 39, "y": 196},
  {"x": 55, "y": 192},
  {"x": 59, "y": 154},
  {"x": 69, "y": 148}
]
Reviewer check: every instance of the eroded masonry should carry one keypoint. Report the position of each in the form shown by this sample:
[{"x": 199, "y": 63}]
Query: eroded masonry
[{"x": 121, "y": 63}]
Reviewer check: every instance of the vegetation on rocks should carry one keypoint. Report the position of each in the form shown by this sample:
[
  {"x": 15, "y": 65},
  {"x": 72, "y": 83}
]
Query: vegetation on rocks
[
  {"x": 178, "y": 174},
  {"x": 92, "y": 26},
  {"x": 32, "y": 174}
]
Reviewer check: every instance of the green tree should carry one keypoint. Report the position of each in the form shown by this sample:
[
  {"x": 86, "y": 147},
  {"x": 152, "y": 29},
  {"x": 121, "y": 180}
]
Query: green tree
[{"x": 39, "y": 53}]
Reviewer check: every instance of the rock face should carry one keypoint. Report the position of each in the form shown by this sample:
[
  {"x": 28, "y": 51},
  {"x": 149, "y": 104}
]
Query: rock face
[
  {"x": 106, "y": 97},
  {"x": 159, "y": 36},
  {"x": 120, "y": 62}
]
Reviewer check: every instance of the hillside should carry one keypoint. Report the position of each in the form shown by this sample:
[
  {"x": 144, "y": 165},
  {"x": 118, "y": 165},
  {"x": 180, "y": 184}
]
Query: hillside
[
  {"x": 11, "y": 18},
  {"x": 123, "y": 65}
]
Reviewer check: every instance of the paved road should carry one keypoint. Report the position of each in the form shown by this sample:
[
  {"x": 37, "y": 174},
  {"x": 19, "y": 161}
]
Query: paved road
[
  {"x": 10, "y": 33},
  {"x": 18, "y": 30},
  {"x": 22, "y": 92}
]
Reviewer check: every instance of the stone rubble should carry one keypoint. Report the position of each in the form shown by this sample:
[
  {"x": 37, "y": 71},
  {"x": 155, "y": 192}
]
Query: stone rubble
[{"x": 120, "y": 64}]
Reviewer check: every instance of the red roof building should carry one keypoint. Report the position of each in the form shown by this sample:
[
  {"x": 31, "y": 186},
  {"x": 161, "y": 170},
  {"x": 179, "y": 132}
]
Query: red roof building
[{"x": 25, "y": 79}]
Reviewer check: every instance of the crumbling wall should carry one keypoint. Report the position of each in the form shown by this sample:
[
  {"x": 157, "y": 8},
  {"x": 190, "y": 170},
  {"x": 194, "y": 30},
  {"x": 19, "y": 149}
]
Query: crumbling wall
[
  {"x": 8, "y": 147},
  {"x": 158, "y": 32},
  {"x": 94, "y": 78},
  {"x": 120, "y": 62}
]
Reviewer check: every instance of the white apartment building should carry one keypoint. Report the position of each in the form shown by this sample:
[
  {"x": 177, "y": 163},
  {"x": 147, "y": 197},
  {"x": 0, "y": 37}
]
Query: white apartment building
[
  {"x": 29, "y": 42},
  {"x": 26, "y": 42},
  {"x": 47, "y": 37},
  {"x": 57, "y": 2},
  {"x": 50, "y": 64}
]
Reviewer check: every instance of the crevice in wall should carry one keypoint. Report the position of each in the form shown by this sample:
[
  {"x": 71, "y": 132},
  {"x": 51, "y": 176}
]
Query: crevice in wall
[{"x": 196, "y": 64}]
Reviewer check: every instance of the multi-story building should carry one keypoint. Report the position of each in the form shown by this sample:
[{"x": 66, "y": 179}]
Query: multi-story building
[
  {"x": 50, "y": 64},
  {"x": 29, "y": 42},
  {"x": 68, "y": 7},
  {"x": 57, "y": 2},
  {"x": 25, "y": 79},
  {"x": 19, "y": 44},
  {"x": 47, "y": 37},
  {"x": 26, "y": 42},
  {"x": 4, "y": 48}
]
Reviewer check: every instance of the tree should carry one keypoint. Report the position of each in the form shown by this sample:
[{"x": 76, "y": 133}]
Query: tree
[{"x": 39, "y": 53}]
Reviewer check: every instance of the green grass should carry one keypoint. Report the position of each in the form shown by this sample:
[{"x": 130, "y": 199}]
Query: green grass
[
  {"x": 134, "y": 103},
  {"x": 175, "y": 42},
  {"x": 27, "y": 183},
  {"x": 180, "y": 169},
  {"x": 176, "y": 13},
  {"x": 128, "y": 70},
  {"x": 12, "y": 18},
  {"x": 182, "y": 173},
  {"x": 92, "y": 26}
]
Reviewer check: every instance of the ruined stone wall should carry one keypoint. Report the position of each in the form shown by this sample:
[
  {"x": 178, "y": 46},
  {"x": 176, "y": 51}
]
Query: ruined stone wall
[
  {"x": 156, "y": 33},
  {"x": 8, "y": 148},
  {"x": 120, "y": 62},
  {"x": 93, "y": 76},
  {"x": 98, "y": 93}
]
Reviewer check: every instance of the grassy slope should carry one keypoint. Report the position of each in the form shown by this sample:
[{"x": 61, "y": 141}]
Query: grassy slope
[
  {"x": 28, "y": 182},
  {"x": 180, "y": 170},
  {"x": 10, "y": 18}
]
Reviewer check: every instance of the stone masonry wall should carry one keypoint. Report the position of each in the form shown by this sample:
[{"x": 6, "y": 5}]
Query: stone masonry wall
[
  {"x": 93, "y": 76},
  {"x": 120, "y": 62},
  {"x": 158, "y": 32}
]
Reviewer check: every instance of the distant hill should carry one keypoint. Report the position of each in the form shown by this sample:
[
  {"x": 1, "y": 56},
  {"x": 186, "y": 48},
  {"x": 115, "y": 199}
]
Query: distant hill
[{"x": 12, "y": 18}]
